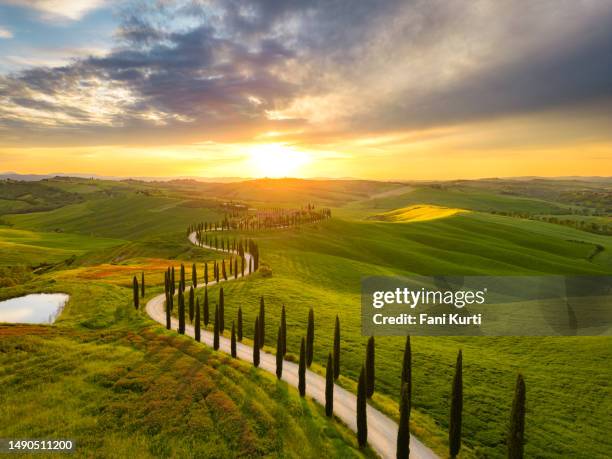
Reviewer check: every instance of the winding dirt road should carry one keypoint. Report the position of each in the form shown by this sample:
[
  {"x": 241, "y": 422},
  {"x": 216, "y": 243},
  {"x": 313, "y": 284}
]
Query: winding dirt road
[{"x": 382, "y": 430}]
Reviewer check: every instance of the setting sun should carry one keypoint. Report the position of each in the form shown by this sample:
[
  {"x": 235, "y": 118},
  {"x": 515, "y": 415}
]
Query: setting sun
[{"x": 277, "y": 160}]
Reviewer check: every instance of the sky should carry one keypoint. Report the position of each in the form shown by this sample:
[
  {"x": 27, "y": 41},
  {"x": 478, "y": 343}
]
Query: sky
[{"x": 388, "y": 90}]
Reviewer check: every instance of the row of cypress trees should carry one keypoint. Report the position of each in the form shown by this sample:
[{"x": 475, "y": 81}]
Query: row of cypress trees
[
  {"x": 515, "y": 440},
  {"x": 263, "y": 219},
  {"x": 366, "y": 382}
]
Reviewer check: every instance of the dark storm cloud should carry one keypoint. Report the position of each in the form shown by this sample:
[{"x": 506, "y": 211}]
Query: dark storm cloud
[{"x": 392, "y": 64}]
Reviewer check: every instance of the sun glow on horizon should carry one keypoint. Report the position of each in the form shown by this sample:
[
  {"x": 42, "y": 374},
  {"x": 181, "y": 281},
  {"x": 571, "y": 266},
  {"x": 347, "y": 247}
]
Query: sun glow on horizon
[{"x": 277, "y": 160}]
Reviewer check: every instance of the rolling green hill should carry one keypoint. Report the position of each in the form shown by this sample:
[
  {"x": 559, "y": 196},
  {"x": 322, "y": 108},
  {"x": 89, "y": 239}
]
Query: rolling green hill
[
  {"x": 321, "y": 267},
  {"x": 116, "y": 229}
]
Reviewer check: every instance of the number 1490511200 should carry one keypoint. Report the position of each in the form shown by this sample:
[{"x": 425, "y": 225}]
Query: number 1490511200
[{"x": 27, "y": 445}]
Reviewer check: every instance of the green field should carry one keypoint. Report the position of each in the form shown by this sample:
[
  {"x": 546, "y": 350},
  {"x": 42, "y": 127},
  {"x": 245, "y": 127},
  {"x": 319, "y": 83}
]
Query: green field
[
  {"x": 120, "y": 228},
  {"x": 119, "y": 386}
]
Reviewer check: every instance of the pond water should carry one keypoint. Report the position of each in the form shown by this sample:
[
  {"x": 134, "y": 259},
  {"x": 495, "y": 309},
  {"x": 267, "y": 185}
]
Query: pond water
[{"x": 37, "y": 308}]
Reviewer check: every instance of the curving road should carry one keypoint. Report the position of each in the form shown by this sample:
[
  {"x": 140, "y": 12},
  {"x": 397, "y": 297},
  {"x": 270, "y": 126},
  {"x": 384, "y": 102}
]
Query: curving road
[{"x": 382, "y": 430}]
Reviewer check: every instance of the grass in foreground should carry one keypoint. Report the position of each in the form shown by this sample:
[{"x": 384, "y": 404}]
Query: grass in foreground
[{"x": 121, "y": 386}]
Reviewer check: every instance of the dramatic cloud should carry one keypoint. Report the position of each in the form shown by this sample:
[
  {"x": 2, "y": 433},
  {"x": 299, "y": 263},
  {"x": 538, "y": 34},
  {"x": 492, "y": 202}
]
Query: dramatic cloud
[
  {"x": 57, "y": 9},
  {"x": 238, "y": 69}
]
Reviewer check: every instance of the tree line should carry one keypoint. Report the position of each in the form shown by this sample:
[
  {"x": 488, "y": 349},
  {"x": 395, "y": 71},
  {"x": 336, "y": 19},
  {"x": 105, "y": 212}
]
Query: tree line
[
  {"x": 263, "y": 219},
  {"x": 366, "y": 382}
]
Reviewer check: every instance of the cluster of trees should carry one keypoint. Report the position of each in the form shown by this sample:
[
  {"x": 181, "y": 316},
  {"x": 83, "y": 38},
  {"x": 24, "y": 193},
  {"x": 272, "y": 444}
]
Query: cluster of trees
[
  {"x": 243, "y": 220},
  {"x": 240, "y": 248}
]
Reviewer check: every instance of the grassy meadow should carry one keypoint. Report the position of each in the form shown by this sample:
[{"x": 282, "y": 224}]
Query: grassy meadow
[{"x": 130, "y": 386}]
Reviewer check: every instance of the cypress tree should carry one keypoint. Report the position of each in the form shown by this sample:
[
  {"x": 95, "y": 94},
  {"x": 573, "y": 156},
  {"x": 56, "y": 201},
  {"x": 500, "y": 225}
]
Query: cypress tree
[
  {"x": 206, "y": 273},
  {"x": 516, "y": 435},
  {"x": 194, "y": 275},
  {"x": 142, "y": 284},
  {"x": 403, "y": 431},
  {"x": 206, "y": 311},
  {"x": 279, "y": 353},
  {"x": 182, "y": 284},
  {"x": 370, "y": 376},
  {"x": 216, "y": 329},
  {"x": 242, "y": 266},
  {"x": 221, "y": 311},
  {"x": 302, "y": 369},
  {"x": 310, "y": 338},
  {"x": 256, "y": 343},
  {"x": 283, "y": 332},
  {"x": 329, "y": 386},
  {"x": 337, "y": 349},
  {"x": 169, "y": 300},
  {"x": 191, "y": 304},
  {"x": 454, "y": 430},
  {"x": 262, "y": 322},
  {"x": 235, "y": 268},
  {"x": 173, "y": 282},
  {"x": 240, "y": 323},
  {"x": 233, "y": 347},
  {"x": 362, "y": 413},
  {"x": 197, "y": 320},
  {"x": 181, "y": 312},
  {"x": 223, "y": 269},
  {"x": 407, "y": 366},
  {"x": 136, "y": 292}
]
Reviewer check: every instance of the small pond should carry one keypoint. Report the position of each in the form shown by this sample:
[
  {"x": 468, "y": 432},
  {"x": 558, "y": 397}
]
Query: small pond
[{"x": 37, "y": 308}]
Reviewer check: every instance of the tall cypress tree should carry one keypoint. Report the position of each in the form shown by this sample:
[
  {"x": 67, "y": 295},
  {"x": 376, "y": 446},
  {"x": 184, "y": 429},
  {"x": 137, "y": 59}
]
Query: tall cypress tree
[
  {"x": 216, "y": 329},
  {"x": 407, "y": 366},
  {"x": 169, "y": 300},
  {"x": 262, "y": 322},
  {"x": 221, "y": 311},
  {"x": 206, "y": 273},
  {"x": 403, "y": 431},
  {"x": 223, "y": 269},
  {"x": 206, "y": 311},
  {"x": 302, "y": 369},
  {"x": 362, "y": 413},
  {"x": 516, "y": 435},
  {"x": 181, "y": 312},
  {"x": 279, "y": 353},
  {"x": 337, "y": 349},
  {"x": 283, "y": 332},
  {"x": 172, "y": 282},
  {"x": 454, "y": 430},
  {"x": 329, "y": 386},
  {"x": 182, "y": 283},
  {"x": 142, "y": 284},
  {"x": 256, "y": 343},
  {"x": 310, "y": 338},
  {"x": 191, "y": 304},
  {"x": 370, "y": 376},
  {"x": 194, "y": 275},
  {"x": 233, "y": 343},
  {"x": 235, "y": 268},
  {"x": 197, "y": 320},
  {"x": 240, "y": 323},
  {"x": 136, "y": 292}
]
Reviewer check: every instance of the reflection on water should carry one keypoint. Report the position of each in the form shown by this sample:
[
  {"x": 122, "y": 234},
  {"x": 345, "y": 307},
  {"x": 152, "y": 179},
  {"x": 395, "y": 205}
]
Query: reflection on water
[{"x": 37, "y": 308}]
